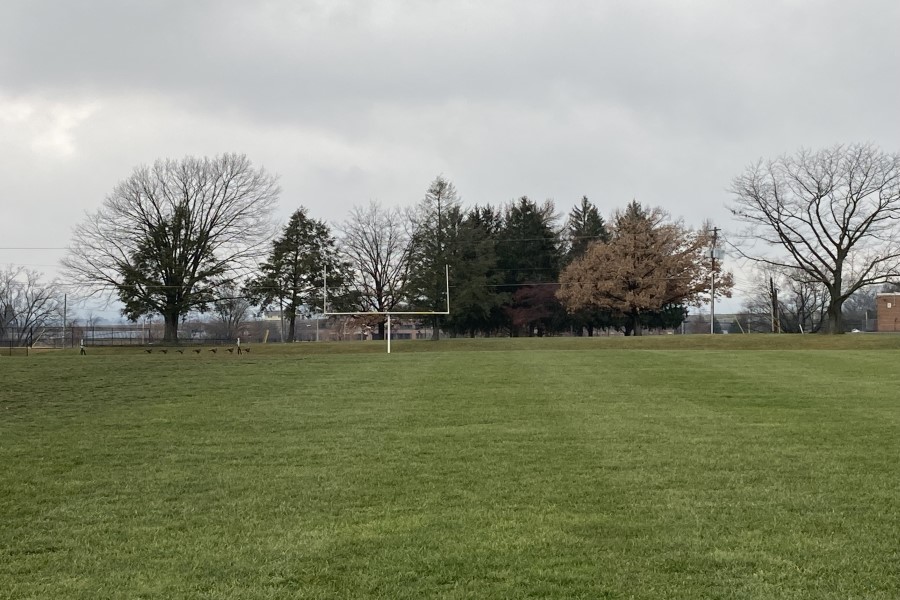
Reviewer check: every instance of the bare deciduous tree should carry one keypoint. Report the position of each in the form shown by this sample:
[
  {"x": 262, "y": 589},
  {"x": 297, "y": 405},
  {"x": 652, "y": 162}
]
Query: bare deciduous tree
[
  {"x": 860, "y": 309},
  {"x": 835, "y": 212},
  {"x": 231, "y": 310},
  {"x": 169, "y": 233},
  {"x": 799, "y": 306},
  {"x": 376, "y": 244},
  {"x": 27, "y": 304}
]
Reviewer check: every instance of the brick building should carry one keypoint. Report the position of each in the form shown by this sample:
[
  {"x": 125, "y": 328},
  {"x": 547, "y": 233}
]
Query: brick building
[{"x": 887, "y": 309}]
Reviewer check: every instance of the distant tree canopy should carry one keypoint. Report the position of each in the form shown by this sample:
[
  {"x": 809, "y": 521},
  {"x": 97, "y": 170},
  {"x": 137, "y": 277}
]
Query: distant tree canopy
[
  {"x": 835, "y": 214},
  {"x": 584, "y": 227},
  {"x": 476, "y": 300},
  {"x": 649, "y": 264},
  {"x": 293, "y": 274},
  {"x": 529, "y": 249},
  {"x": 169, "y": 234},
  {"x": 231, "y": 309},
  {"x": 798, "y": 305},
  {"x": 27, "y": 303},
  {"x": 435, "y": 225},
  {"x": 376, "y": 243},
  {"x": 529, "y": 253},
  {"x": 194, "y": 235}
]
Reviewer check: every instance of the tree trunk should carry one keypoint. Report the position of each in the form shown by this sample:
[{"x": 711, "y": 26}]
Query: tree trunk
[
  {"x": 171, "y": 331},
  {"x": 436, "y": 326},
  {"x": 292, "y": 327},
  {"x": 381, "y": 330},
  {"x": 633, "y": 324},
  {"x": 834, "y": 318}
]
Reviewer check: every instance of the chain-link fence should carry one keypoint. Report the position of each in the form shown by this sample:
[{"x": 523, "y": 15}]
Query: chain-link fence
[{"x": 73, "y": 337}]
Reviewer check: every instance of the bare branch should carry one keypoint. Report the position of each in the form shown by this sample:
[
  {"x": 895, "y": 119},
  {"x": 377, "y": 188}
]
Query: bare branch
[
  {"x": 166, "y": 235},
  {"x": 375, "y": 242},
  {"x": 835, "y": 213},
  {"x": 27, "y": 304}
]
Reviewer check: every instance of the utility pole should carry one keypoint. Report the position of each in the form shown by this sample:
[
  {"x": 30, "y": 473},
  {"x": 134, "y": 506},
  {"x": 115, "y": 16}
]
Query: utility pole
[
  {"x": 773, "y": 292},
  {"x": 712, "y": 289},
  {"x": 436, "y": 320},
  {"x": 281, "y": 316}
]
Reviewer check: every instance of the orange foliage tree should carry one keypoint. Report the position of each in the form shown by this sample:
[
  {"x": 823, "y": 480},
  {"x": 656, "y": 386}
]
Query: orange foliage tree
[{"x": 649, "y": 263}]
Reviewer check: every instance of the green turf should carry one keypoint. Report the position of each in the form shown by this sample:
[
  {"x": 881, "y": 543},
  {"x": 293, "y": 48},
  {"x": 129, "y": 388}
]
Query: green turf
[{"x": 459, "y": 469}]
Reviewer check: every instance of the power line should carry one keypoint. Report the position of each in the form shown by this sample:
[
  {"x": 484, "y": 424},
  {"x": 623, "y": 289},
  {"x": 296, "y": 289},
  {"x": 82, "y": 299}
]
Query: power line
[{"x": 486, "y": 239}]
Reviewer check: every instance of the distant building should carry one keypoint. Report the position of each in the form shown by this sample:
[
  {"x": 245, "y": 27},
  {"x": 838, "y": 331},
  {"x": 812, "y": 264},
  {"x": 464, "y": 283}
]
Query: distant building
[{"x": 887, "y": 311}]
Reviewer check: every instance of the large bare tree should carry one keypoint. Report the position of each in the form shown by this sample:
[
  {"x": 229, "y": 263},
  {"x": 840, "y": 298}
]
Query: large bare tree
[
  {"x": 170, "y": 233},
  {"x": 27, "y": 304},
  {"x": 375, "y": 243},
  {"x": 835, "y": 214},
  {"x": 648, "y": 264}
]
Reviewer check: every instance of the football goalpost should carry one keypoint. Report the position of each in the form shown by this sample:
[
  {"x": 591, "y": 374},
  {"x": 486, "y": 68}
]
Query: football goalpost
[{"x": 385, "y": 313}]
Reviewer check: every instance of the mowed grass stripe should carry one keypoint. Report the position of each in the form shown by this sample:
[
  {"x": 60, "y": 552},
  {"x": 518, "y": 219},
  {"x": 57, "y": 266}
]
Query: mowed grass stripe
[{"x": 539, "y": 473}]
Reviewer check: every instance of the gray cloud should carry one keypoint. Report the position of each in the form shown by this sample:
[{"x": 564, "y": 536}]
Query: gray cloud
[{"x": 660, "y": 101}]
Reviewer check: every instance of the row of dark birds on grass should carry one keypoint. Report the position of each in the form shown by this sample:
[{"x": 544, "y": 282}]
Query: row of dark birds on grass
[{"x": 199, "y": 350}]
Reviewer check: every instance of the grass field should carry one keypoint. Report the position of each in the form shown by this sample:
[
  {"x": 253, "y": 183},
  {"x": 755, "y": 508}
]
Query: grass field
[{"x": 698, "y": 467}]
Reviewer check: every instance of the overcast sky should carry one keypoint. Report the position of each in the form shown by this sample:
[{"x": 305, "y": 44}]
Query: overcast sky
[{"x": 661, "y": 101}]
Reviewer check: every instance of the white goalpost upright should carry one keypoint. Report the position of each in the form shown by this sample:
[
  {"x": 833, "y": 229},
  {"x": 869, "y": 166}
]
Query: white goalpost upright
[{"x": 386, "y": 313}]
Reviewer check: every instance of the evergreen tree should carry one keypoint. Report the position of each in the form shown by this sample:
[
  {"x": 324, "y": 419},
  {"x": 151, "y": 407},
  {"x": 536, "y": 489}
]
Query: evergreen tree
[
  {"x": 584, "y": 227},
  {"x": 529, "y": 248},
  {"x": 293, "y": 273},
  {"x": 476, "y": 300},
  {"x": 434, "y": 225}
]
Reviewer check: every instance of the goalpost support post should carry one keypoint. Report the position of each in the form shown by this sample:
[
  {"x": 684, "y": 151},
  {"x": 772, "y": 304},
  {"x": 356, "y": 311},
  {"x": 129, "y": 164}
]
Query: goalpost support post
[{"x": 385, "y": 313}]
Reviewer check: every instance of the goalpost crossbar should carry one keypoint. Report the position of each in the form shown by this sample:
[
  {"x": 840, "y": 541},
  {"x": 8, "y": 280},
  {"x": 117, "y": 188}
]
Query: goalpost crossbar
[{"x": 386, "y": 313}]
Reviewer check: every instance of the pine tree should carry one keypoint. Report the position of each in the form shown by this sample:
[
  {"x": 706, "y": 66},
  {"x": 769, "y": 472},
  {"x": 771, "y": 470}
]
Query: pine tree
[
  {"x": 293, "y": 273},
  {"x": 584, "y": 227},
  {"x": 434, "y": 221},
  {"x": 529, "y": 248},
  {"x": 476, "y": 300}
]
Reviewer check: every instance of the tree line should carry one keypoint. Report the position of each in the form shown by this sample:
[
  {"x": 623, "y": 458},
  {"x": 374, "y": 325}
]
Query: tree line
[
  {"x": 196, "y": 235},
  {"x": 191, "y": 235}
]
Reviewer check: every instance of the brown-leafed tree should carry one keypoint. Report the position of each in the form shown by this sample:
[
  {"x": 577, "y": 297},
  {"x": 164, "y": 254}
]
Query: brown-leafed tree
[
  {"x": 834, "y": 213},
  {"x": 170, "y": 233},
  {"x": 649, "y": 263}
]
